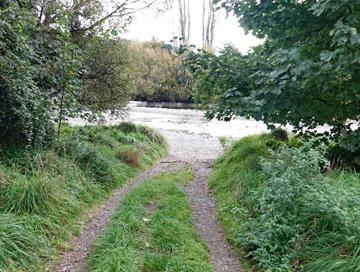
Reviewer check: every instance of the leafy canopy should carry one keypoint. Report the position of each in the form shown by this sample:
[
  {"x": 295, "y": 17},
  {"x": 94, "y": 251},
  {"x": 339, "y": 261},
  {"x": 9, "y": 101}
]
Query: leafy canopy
[{"x": 306, "y": 73}]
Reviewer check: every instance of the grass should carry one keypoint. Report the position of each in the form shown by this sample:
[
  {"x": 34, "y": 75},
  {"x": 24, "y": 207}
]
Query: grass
[
  {"x": 130, "y": 157},
  {"x": 324, "y": 218},
  {"x": 152, "y": 231},
  {"x": 45, "y": 195},
  {"x": 234, "y": 181},
  {"x": 226, "y": 142}
]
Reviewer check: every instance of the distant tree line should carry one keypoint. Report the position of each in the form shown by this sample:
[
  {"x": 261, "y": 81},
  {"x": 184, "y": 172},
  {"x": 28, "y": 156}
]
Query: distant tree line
[{"x": 160, "y": 74}]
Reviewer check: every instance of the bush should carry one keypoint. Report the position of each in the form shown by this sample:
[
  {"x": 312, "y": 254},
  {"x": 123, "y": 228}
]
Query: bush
[
  {"x": 283, "y": 212},
  {"x": 280, "y": 134},
  {"x": 331, "y": 237},
  {"x": 269, "y": 237},
  {"x": 25, "y": 118},
  {"x": 345, "y": 152},
  {"x": 160, "y": 75},
  {"x": 130, "y": 157}
]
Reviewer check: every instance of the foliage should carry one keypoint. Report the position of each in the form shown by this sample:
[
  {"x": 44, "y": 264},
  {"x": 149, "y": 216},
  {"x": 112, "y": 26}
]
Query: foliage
[
  {"x": 24, "y": 117},
  {"x": 345, "y": 151},
  {"x": 213, "y": 75},
  {"x": 281, "y": 211},
  {"x": 63, "y": 72},
  {"x": 60, "y": 59},
  {"x": 43, "y": 194},
  {"x": 108, "y": 75},
  {"x": 279, "y": 220},
  {"x": 306, "y": 73},
  {"x": 160, "y": 74},
  {"x": 39, "y": 75},
  {"x": 152, "y": 231},
  {"x": 280, "y": 134}
]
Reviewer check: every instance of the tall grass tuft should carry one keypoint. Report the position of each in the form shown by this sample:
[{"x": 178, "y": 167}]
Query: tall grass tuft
[
  {"x": 30, "y": 195},
  {"x": 20, "y": 244},
  {"x": 130, "y": 157}
]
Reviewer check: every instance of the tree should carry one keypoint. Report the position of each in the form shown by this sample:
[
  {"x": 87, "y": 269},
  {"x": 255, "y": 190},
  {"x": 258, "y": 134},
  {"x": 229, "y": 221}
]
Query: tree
[
  {"x": 208, "y": 24},
  {"x": 305, "y": 74},
  {"x": 24, "y": 115},
  {"x": 92, "y": 26},
  {"x": 184, "y": 20},
  {"x": 88, "y": 18},
  {"x": 51, "y": 53},
  {"x": 159, "y": 74},
  {"x": 108, "y": 74}
]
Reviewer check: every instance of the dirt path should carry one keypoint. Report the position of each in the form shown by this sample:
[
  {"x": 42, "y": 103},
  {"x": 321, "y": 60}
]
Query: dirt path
[
  {"x": 204, "y": 217},
  {"x": 199, "y": 151},
  {"x": 74, "y": 260},
  {"x": 191, "y": 145}
]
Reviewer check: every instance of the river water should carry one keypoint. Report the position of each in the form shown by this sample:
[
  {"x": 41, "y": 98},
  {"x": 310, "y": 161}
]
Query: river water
[
  {"x": 193, "y": 121},
  {"x": 189, "y": 134},
  {"x": 184, "y": 120}
]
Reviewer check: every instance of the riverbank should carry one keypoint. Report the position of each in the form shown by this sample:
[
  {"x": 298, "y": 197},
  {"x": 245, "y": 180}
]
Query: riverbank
[{"x": 47, "y": 195}]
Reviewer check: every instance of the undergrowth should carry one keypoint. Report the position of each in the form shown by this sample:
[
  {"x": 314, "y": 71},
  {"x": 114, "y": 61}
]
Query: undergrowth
[
  {"x": 152, "y": 231},
  {"x": 45, "y": 194},
  {"x": 283, "y": 212}
]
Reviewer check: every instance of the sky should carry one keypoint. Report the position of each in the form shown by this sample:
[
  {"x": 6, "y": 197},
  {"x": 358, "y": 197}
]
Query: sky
[{"x": 148, "y": 24}]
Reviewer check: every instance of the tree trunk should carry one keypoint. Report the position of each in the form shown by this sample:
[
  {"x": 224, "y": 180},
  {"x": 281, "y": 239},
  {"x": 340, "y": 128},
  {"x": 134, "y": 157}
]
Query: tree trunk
[
  {"x": 208, "y": 31},
  {"x": 184, "y": 20}
]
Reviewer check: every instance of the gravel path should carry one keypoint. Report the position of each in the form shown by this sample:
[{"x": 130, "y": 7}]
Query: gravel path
[
  {"x": 191, "y": 144},
  {"x": 199, "y": 151},
  {"x": 222, "y": 255},
  {"x": 74, "y": 260}
]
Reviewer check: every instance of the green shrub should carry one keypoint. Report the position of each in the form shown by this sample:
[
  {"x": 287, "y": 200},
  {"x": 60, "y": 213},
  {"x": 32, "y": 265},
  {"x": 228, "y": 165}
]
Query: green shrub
[
  {"x": 270, "y": 236},
  {"x": 283, "y": 212},
  {"x": 25, "y": 115},
  {"x": 160, "y": 74},
  {"x": 332, "y": 214},
  {"x": 345, "y": 152},
  {"x": 280, "y": 134}
]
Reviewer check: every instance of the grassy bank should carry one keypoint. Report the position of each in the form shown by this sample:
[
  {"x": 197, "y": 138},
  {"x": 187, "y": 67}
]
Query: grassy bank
[
  {"x": 283, "y": 211},
  {"x": 46, "y": 194},
  {"x": 152, "y": 231}
]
